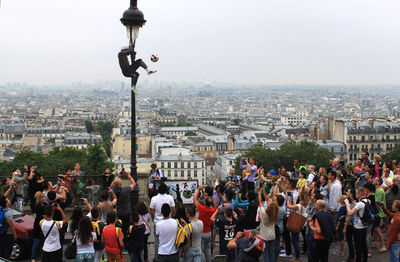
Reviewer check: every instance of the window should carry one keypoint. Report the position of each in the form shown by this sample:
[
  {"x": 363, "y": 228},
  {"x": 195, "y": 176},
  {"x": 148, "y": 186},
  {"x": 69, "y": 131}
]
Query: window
[
  {"x": 363, "y": 138},
  {"x": 169, "y": 164},
  {"x": 371, "y": 138},
  {"x": 169, "y": 173},
  {"x": 182, "y": 173},
  {"x": 175, "y": 164},
  {"x": 162, "y": 164},
  {"x": 189, "y": 173},
  {"x": 351, "y": 157},
  {"x": 355, "y": 157},
  {"x": 175, "y": 173},
  {"x": 195, "y": 164},
  {"x": 195, "y": 173},
  {"x": 182, "y": 164},
  {"x": 188, "y": 165}
]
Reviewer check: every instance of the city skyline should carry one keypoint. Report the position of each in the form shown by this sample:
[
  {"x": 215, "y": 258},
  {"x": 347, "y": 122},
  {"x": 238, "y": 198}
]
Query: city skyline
[{"x": 262, "y": 43}]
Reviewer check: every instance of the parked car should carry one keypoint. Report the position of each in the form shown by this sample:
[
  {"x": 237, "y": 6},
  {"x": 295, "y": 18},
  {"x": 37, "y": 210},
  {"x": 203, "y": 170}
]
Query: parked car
[{"x": 23, "y": 227}]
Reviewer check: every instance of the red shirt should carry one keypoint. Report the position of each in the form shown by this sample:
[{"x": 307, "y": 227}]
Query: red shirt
[
  {"x": 205, "y": 214},
  {"x": 110, "y": 239},
  {"x": 376, "y": 169}
]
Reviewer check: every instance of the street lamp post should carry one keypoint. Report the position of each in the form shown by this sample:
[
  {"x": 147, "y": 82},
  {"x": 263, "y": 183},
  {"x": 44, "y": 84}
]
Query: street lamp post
[{"x": 133, "y": 20}]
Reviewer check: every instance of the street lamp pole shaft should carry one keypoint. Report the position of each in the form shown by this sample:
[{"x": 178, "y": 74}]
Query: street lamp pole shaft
[{"x": 133, "y": 132}]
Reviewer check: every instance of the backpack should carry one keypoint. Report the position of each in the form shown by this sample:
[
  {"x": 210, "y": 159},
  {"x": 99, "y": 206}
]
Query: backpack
[
  {"x": 182, "y": 237},
  {"x": 258, "y": 249},
  {"x": 131, "y": 227},
  {"x": 98, "y": 227},
  {"x": 3, "y": 222},
  {"x": 368, "y": 217}
]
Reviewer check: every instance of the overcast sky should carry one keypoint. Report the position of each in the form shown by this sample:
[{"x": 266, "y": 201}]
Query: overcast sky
[{"x": 254, "y": 41}]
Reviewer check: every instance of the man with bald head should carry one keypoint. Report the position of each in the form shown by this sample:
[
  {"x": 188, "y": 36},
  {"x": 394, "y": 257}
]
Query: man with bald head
[
  {"x": 123, "y": 200},
  {"x": 324, "y": 227}
]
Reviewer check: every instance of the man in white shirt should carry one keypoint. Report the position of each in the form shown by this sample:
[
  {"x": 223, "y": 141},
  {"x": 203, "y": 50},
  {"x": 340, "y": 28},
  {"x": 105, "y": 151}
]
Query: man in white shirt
[
  {"x": 52, "y": 249},
  {"x": 166, "y": 231},
  {"x": 156, "y": 204},
  {"x": 311, "y": 175},
  {"x": 334, "y": 193},
  {"x": 360, "y": 230}
]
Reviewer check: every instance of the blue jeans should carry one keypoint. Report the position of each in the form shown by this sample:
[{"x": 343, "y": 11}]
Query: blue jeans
[
  {"x": 310, "y": 246},
  {"x": 192, "y": 255},
  {"x": 206, "y": 246},
  {"x": 296, "y": 244},
  {"x": 269, "y": 252},
  {"x": 35, "y": 245},
  {"x": 136, "y": 256},
  {"x": 394, "y": 251}
]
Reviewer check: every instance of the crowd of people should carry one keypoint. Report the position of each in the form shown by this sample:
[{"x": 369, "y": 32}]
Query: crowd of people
[{"x": 256, "y": 214}]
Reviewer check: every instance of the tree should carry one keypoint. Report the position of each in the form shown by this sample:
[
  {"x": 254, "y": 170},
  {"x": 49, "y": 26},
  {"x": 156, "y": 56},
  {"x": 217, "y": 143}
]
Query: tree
[
  {"x": 89, "y": 126},
  {"x": 236, "y": 121},
  {"x": 93, "y": 161},
  {"x": 96, "y": 160},
  {"x": 394, "y": 154},
  {"x": 190, "y": 133},
  {"x": 305, "y": 151}
]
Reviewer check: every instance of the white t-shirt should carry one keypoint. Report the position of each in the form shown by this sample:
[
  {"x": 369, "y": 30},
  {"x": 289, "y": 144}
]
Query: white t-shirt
[
  {"x": 358, "y": 224},
  {"x": 157, "y": 202},
  {"x": 310, "y": 179},
  {"x": 167, "y": 230},
  {"x": 89, "y": 248},
  {"x": 52, "y": 242}
]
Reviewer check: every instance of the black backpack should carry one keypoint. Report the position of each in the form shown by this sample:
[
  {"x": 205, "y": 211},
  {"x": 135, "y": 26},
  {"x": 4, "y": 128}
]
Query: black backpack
[{"x": 368, "y": 217}]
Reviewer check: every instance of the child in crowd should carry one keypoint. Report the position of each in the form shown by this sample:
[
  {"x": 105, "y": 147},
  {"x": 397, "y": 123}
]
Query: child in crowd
[
  {"x": 301, "y": 182},
  {"x": 144, "y": 217},
  {"x": 340, "y": 222},
  {"x": 226, "y": 224},
  {"x": 98, "y": 227},
  {"x": 136, "y": 238}
]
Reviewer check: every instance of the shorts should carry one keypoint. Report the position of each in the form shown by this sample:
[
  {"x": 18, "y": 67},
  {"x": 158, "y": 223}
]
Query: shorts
[{"x": 377, "y": 221}]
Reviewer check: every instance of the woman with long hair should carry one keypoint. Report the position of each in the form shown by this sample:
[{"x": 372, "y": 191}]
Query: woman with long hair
[
  {"x": 85, "y": 238},
  {"x": 144, "y": 216},
  {"x": 249, "y": 172},
  {"x": 73, "y": 223},
  {"x": 300, "y": 209},
  {"x": 40, "y": 202},
  {"x": 269, "y": 218},
  {"x": 35, "y": 181}
]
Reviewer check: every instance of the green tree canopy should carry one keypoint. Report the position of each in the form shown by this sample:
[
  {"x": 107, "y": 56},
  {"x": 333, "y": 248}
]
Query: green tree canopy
[
  {"x": 305, "y": 151},
  {"x": 93, "y": 161},
  {"x": 394, "y": 154},
  {"x": 89, "y": 126}
]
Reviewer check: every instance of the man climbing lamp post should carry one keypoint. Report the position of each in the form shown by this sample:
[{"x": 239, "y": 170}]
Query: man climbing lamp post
[{"x": 133, "y": 20}]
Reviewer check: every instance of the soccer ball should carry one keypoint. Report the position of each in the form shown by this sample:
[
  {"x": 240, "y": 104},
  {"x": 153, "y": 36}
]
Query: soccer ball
[{"x": 154, "y": 58}]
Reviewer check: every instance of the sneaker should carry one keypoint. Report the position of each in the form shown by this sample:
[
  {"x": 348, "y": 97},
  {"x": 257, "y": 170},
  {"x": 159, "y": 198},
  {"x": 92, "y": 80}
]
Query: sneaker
[
  {"x": 152, "y": 72},
  {"x": 135, "y": 90},
  {"x": 125, "y": 252},
  {"x": 283, "y": 251},
  {"x": 285, "y": 255}
]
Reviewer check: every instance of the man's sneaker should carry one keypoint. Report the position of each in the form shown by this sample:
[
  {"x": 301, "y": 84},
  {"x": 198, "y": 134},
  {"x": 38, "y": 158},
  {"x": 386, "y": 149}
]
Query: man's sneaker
[
  {"x": 125, "y": 252},
  {"x": 135, "y": 90},
  {"x": 283, "y": 251},
  {"x": 152, "y": 72},
  {"x": 285, "y": 255}
]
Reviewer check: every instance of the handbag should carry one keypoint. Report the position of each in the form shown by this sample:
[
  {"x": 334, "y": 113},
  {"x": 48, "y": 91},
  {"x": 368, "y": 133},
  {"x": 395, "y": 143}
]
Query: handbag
[
  {"x": 70, "y": 251},
  {"x": 295, "y": 222}
]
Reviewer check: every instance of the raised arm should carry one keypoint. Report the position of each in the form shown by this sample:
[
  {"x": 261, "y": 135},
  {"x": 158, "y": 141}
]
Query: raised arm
[
  {"x": 133, "y": 183},
  {"x": 196, "y": 196},
  {"x": 216, "y": 213},
  {"x": 114, "y": 201}
]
